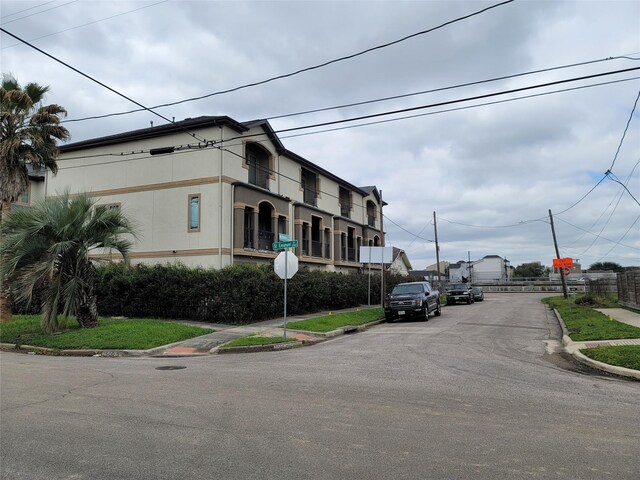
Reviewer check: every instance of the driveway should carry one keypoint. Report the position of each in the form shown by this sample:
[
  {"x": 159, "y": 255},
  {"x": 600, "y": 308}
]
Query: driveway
[{"x": 476, "y": 393}]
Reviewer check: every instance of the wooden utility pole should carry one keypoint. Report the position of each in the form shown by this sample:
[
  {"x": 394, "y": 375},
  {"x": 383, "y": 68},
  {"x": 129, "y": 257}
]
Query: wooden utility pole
[
  {"x": 555, "y": 243},
  {"x": 435, "y": 232},
  {"x": 382, "y": 264}
]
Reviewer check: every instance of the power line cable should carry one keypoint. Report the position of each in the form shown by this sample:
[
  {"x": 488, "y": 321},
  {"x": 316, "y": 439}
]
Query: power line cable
[
  {"x": 376, "y": 122},
  {"x": 86, "y": 24},
  {"x": 38, "y": 13},
  {"x": 466, "y": 99},
  {"x": 621, "y": 238},
  {"x": 100, "y": 83},
  {"x": 407, "y": 231},
  {"x": 625, "y": 132},
  {"x": 315, "y": 67},
  {"x": 591, "y": 233},
  {"x": 610, "y": 175},
  {"x": 496, "y": 102},
  {"x": 441, "y": 89},
  {"x": 27, "y": 9}
]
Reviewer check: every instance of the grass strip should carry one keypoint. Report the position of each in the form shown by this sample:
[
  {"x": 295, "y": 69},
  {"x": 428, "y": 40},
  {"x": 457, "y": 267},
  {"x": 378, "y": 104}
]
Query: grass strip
[
  {"x": 586, "y": 324},
  {"x": 627, "y": 356},
  {"x": 328, "y": 323},
  {"x": 129, "y": 334},
  {"x": 252, "y": 340}
]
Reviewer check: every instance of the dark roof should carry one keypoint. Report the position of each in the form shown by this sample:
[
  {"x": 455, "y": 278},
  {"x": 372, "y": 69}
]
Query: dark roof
[
  {"x": 159, "y": 131},
  {"x": 204, "y": 122}
]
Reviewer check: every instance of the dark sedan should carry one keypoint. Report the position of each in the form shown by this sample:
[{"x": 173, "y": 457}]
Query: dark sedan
[{"x": 477, "y": 294}]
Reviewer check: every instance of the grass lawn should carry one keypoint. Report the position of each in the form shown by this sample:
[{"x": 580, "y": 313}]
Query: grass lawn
[
  {"x": 623, "y": 356},
  {"x": 328, "y": 323},
  {"x": 130, "y": 334},
  {"x": 256, "y": 340},
  {"x": 586, "y": 324}
]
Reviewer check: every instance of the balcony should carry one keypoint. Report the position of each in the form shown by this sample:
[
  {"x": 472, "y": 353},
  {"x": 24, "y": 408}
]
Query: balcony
[
  {"x": 265, "y": 240},
  {"x": 371, "y": 220},
  {"x": 316, "y": 249},
  {"x": 248, "y": 238}
]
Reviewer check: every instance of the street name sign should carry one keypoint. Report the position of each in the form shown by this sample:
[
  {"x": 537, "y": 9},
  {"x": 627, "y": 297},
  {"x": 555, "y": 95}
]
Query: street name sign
[{"x": 284, "y": 245}]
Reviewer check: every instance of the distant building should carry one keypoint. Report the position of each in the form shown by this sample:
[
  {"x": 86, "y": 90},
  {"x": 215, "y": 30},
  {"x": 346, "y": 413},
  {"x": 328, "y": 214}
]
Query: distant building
[{"x": 401, "y": 264}]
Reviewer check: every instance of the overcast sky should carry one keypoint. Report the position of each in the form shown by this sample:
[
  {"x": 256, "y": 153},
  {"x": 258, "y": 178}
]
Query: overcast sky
[{"x": 491, "y": 173}]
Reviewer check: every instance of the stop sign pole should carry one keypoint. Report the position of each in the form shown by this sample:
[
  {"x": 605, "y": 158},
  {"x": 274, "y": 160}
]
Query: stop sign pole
[{"x": 285, "y": 245}]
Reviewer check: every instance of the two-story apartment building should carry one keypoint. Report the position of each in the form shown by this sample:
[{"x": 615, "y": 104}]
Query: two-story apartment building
[{"x": 211, "y": 191}]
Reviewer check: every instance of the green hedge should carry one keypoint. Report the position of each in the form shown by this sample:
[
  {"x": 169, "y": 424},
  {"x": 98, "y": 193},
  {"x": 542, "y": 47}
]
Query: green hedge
[{"x": 234, "y": 295}]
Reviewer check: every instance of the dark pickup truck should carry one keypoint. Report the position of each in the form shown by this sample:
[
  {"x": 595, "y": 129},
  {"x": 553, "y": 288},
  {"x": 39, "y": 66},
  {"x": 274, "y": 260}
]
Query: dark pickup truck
[
  {"x": 412, "y": 299},
  {"x": 459, "y": 292}
]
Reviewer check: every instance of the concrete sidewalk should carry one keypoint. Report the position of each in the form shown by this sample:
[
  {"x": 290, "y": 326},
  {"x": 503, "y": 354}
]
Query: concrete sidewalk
[{"x": 209, "y": 343}]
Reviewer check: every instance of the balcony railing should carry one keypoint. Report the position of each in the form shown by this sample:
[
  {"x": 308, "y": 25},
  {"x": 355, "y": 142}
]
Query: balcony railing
[
  {"x": 305, "y": 246},
  {"x": 265, "y": 239},
  {"x": 351, "y": 254},
  {"x": 345, "y": 210},
  {"x": 316, "y": 249},
  {"x": 248, "y": 238},
  {"x": 371, "y": 220},
  {"x": 327, "y": 250}
]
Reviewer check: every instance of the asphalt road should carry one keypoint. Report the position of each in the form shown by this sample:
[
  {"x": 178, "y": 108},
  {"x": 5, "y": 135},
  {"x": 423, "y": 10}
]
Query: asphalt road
[{"x": 476, "y": 393}]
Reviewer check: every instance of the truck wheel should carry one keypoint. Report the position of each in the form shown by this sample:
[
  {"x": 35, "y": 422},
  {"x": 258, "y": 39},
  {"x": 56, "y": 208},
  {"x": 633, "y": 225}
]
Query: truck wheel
[{"x": 388, "y": 318}]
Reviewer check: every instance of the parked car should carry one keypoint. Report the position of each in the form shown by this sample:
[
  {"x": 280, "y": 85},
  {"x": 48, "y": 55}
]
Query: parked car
[
  {"x": 477, "y": 293},
  {"x": 459, "y": 292},
  {"x": 412, "y": 299}
]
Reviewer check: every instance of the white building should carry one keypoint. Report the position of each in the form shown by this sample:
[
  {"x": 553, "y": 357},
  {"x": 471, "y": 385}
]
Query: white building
[{"x": 223, "y": 198}]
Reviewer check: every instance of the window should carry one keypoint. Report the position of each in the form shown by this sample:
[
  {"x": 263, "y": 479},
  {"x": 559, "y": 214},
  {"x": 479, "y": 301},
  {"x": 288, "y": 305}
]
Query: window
[
  {"x": 282, "y": 224},
  {"x": 194, "y": 212},
  {"x": 371, "y": 213},
  {"x": 309, "y": 184},
  {"x": 345, "y": 202},
  {"x": 248, "y": 227},
  {"x": 327, "y": 243},
  {"x": 258, "y": 163}
]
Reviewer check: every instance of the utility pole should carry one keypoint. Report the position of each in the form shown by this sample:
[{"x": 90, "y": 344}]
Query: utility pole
[
  {"x": 382, "y": 264},
  {"x": 435, "y": 231},
  {"x": 555, "y": 243}
]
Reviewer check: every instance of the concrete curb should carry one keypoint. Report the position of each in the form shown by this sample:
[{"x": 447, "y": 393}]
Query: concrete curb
[
  {"x": 160, "y": 352},
  {"x": 574, "y": 350},
  {"x": 272, "y": 347},
  {"x": 342, "y": 330}
]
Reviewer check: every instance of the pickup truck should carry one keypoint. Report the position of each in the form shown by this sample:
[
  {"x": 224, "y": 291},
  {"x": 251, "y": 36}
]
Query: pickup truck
[
  {"x": 412, "y": 299},
  {"x": 459, "y": 292}
]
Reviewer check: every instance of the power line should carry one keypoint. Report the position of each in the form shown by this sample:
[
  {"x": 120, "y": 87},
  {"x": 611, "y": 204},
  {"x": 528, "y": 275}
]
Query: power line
[
  {"x": 441, "y": 89},
  {"x": 591, "y": 233},
  {"x": 38, "y": 13},
  {"x": 27, "y": 9},
  {"x": 621, "y": 238},
  {"x": 225, "y": 141},
  {"x": 625, "y": 131},
  {"x": 496, "y": 102},
  {"x": 466, "y": 99},
  {"x": 610, "y": 175},
  {"x": 404, "y": 229},
  {"x": 98, "y": 82},
  {"x": 86, "y": 24},
  {"x": 314, "y": 67}
]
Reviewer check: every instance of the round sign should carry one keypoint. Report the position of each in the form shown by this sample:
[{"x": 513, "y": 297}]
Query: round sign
[
  {"x": 566, "y": 271},
  {"x": 290, "y": 260}
]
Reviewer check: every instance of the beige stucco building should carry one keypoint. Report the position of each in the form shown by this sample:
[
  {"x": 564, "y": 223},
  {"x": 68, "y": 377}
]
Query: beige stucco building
[{"x": 212, "y": 192}]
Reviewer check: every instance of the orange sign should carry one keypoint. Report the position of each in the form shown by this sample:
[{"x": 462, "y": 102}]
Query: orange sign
[{"x": 562, "y": 262}]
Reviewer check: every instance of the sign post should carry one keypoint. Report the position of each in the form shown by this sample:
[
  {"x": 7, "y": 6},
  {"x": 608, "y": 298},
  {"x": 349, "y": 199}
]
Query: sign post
[{"x": 286, "y": 266}]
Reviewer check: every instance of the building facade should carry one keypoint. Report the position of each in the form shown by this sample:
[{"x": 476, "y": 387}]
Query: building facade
[{"x": 212, "y": 192}]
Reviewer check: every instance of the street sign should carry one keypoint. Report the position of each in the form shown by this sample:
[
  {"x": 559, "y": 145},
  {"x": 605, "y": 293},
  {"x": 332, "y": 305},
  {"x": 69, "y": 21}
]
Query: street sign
[
  {"x": 283, "y": 237},
  {"x": 562, "y": 262},
  {"x": 284, "y": 245},
  {"x": 566, "y": 271},
  {"x": 285, "y": 265}
]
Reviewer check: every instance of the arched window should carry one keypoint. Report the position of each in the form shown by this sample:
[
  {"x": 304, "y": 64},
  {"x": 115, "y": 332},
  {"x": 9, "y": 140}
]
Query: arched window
[{"x": 371, "y": 213}]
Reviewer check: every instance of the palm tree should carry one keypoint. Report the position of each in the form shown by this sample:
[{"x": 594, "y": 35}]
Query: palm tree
[
  {"x": 28, "y": 134},
  {"x": 47, "y": 248}
]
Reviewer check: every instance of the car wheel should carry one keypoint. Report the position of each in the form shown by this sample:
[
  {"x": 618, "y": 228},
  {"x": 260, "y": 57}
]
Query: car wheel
[
  {"x": 426, "y": 313},
  {"x": 438, "y": 311},
  {"x": 469, "y": 301}
]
